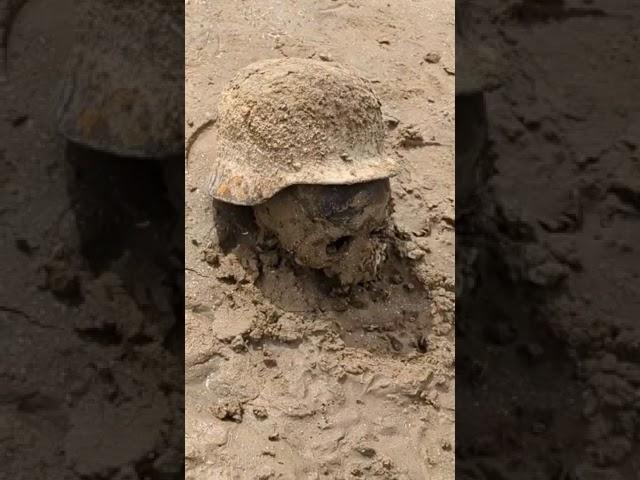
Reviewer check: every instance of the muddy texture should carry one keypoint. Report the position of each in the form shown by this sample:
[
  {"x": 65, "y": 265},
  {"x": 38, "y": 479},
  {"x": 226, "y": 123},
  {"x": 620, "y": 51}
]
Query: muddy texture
[
  {"x": 337, "y": 229},
  {"x": 288, "y": 121},
  {"x": 289, "y": 374},
  {"x": 91, "y": 296},
  {"x": 547, "y": 346}
]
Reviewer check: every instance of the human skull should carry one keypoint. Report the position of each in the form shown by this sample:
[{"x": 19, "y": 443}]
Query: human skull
[{"x": 335, "y": 228}]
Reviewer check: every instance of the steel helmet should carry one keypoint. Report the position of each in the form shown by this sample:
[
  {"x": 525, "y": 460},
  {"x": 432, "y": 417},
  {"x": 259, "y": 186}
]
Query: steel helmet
[{"x": 296, "y": 121}]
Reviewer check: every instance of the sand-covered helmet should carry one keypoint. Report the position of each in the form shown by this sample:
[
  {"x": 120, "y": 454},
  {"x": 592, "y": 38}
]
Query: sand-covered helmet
[
  {"x": 124, "y": 88},
  {"x": 296, "y": 121}
]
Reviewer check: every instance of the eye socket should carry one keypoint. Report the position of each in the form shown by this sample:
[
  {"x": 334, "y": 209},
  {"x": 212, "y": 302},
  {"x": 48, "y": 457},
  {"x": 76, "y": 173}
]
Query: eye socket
[{"x": 339, "y": 245}]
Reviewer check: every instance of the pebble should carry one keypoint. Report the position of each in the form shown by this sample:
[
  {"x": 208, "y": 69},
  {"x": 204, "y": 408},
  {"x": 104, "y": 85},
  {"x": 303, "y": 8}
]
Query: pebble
[
  {"x": 416, "y": 254},
  {"x": 260, "y": 413},
  {"x": 432, "y": 57}
]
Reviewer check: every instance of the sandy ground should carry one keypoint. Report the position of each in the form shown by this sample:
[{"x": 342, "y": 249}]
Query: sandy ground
[
  {"x": 285, "y": 377},
  {"x": 547, "y": 348}
]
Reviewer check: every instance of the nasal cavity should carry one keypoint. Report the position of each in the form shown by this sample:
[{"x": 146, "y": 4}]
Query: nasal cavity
[{"x": 339, "y": 245}]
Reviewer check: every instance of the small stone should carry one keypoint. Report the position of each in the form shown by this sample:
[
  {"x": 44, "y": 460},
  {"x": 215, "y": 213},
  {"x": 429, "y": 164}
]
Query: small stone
[
  {"x": 416, "y": 254},
  {"x": 411, "y": 137},
  {"x": 432, "y": 57},
  {"x": 345, "y": 157},
  {"x": 238, "y": 344},
  {"x": 395, "y": 343},
  {"x": 260, "y": 413},
  {"x": 228, "y": 411},
  {"x": 211, "y": 258}
]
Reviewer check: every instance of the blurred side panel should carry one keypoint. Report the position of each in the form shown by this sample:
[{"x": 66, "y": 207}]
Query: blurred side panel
[
  {"x": 91, "y": 236},
  {"x": 547, "y": 211}
]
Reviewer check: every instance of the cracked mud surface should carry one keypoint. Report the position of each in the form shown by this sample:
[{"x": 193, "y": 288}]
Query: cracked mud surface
[{"x": 288, "y": 375}]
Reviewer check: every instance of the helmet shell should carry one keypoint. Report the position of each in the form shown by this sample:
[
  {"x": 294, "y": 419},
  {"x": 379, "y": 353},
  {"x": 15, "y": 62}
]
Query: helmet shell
[
  {"x": 123, "y": 92},
  {"x": 296, "y": 121}
]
